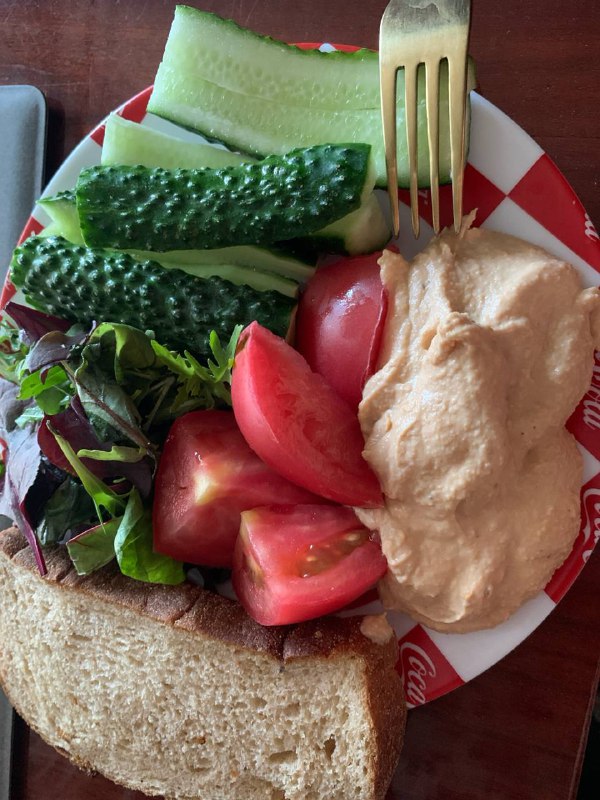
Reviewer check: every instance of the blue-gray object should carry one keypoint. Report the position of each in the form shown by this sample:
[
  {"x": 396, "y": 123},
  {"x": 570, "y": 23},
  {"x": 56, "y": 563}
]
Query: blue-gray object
[{"x": 22, "y": 149}]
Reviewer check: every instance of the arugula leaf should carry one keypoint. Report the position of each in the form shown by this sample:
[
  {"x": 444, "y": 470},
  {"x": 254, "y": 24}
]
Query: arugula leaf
[
  {"x": 133, "y": 547},
  {"x": 95, "y": 547},
  {"x": 200, "y": 386}
]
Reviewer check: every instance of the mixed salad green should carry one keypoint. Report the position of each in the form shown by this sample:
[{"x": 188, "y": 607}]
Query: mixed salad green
[{"x": 84, "y": 413}]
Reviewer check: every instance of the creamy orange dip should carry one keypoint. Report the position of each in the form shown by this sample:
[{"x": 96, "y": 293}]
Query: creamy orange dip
[{"x": 488, "y": 348}]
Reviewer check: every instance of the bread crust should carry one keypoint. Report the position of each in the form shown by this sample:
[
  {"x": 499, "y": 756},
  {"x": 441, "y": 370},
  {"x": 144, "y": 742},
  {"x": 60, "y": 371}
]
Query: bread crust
[{"x": 202, "y": 613}]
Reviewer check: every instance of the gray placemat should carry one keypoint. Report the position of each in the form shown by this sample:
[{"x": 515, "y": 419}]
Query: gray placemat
[{"x": 22, "y": 150}]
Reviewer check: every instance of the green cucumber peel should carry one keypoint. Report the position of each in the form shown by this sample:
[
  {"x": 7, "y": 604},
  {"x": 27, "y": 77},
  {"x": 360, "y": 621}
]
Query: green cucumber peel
[{"x": 280, "y": 198}]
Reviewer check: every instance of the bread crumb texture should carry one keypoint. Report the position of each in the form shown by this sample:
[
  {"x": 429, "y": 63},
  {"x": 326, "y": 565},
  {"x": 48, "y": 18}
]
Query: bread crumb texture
[{"x": 157, "y": 691}]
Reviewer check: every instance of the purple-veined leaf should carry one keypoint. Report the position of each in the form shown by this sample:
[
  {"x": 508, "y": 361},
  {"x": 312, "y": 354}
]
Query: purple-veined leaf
[{"x": 34, "y": 324}]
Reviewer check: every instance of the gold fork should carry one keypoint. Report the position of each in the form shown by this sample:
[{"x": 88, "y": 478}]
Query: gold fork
[{"x": 415, "y": 32}]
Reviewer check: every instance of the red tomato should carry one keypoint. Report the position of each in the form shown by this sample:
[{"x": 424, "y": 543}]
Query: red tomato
[
  {"x": 297, "y": 424},
  {"x": 294, "y": 563},
  {"x": 206, "y": 477},
  {"x": 340, "y": 322}
]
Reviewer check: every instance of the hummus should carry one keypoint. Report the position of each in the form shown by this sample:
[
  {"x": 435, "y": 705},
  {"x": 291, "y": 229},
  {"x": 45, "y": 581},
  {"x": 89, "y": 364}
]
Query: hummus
[{"x": 488, "y": 347}]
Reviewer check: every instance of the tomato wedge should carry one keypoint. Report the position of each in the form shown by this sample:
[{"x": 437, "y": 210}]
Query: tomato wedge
[
  {"x": 206, "y": 477},
  {"x": 340, "y": 322},
  {"x": 297, "y": 424},
  {"x": 294, "y": 563}
]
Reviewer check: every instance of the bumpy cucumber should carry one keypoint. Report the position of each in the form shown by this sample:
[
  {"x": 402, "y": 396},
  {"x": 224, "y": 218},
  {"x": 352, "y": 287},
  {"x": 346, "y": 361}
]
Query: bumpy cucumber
[
  {"x": 130, "y": 143},
  {"x": 62, "y": 209},
  {"x": 280, "y": 198},
  {"x": 262, "y": 96},
  {"x": 86, "y": 285},
  {"x": 125, "y": 142}
]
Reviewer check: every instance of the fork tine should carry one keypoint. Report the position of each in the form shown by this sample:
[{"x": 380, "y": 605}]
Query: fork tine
[
  {"x": 432, "y": 74},
  {"x": 388, "y": 76},
  {"x": 457, "y": 77},
  {"x": 410, "y": 108}
]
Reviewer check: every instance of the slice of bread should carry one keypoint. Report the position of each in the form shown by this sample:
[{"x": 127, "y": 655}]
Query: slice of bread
[{"x": 177, "y": 692}]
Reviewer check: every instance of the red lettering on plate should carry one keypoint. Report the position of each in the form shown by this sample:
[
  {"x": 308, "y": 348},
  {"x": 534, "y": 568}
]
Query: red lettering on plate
[
  {"x": 584, "y": 422},
  {"x": 589, "y": 534},
  {"x": 425, "y": 671}
]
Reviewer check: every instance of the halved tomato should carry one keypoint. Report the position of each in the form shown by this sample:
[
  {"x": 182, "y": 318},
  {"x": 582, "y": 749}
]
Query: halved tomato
[
  {"x": 294, "y": 563},
  {"x": 206, "y": 477},
  {"x": 340, "y": 321},
  {"x": 297, "y": 424}
]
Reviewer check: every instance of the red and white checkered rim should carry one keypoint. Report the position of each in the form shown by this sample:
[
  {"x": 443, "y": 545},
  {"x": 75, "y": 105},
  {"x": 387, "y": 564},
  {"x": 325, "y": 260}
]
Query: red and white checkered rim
[{"x": 516, "y": 189}]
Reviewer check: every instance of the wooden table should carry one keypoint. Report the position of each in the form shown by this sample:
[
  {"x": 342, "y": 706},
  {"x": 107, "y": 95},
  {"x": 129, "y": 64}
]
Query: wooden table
[{"x": 517, "y": 732}]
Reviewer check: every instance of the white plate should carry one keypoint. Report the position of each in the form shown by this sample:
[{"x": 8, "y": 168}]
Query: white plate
[{"x": 518, "y": 190}]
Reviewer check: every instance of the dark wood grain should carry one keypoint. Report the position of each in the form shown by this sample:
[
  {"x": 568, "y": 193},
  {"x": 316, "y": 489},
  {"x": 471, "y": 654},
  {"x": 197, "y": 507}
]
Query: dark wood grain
[{"x": 518, "y": 731}]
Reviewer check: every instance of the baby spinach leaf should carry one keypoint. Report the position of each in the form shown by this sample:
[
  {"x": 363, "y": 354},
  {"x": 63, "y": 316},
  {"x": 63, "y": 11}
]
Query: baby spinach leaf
[
  {"x": 69, "y": 507},
  {"x": 95, "y": 547},
  {"x": 133, "y": 547}
]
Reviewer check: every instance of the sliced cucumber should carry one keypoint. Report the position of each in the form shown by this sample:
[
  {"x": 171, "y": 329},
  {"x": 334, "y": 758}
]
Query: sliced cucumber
[
  {"x": 53, "y": 229},
  {"x": 275, "y": 262},
  {"x": 269, "y": 108},
  {"x": 280, "y": 198},
  {"x": 350, "y": 234},
  {"x": 125, "y": 142},
  {"x": 241, "y": 276},
  {"x": 220, "y": 51},
  {"x": 85, "y": 285},
  {"x": 63, "y": 213},
  {"x": 65, "y": 222}
]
